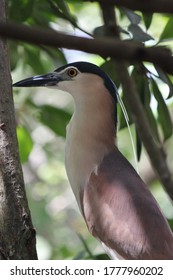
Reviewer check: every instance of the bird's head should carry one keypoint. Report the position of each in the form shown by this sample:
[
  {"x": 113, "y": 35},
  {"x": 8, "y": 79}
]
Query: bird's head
[{"x": 83, "y": 80}]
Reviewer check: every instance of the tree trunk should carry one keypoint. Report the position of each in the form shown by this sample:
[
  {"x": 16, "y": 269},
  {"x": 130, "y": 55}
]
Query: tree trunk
[{"x": 17, "y": 236}]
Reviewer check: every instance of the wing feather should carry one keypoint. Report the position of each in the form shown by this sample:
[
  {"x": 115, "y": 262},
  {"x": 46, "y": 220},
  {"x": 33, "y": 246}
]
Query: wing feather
[{"x": 122, "y": 213}]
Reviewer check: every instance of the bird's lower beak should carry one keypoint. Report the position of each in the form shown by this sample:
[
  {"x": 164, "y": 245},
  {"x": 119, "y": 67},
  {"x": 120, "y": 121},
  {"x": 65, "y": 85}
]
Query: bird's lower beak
[{"x": 50, "y": 79}]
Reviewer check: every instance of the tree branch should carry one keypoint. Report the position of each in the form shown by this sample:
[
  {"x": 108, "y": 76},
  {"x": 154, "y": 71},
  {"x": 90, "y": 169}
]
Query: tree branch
[
  {"x": 155, "y": 150},
  {"x": 106, "y": 47},
  {"x": 154, "y": 6}
]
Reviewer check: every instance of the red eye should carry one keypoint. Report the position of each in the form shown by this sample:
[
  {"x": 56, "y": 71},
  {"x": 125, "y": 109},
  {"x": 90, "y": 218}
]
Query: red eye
[{"x": 72, "y": 72}]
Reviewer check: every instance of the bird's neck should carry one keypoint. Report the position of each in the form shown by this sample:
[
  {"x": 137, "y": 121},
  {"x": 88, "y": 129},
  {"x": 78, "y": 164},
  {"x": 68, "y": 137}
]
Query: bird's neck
[{"x": 90, "y": 136}]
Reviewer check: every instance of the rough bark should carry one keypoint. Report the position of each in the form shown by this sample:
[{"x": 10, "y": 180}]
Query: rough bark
[{"x": 17, "y": 235}]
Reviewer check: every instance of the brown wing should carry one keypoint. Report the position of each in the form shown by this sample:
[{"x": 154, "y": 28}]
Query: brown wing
[{"x": 121, "y": 212}]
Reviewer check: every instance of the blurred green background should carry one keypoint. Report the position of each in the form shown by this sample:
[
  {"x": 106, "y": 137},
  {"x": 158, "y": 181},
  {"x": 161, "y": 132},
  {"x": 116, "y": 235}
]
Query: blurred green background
[{"x": 42, "y": 115}]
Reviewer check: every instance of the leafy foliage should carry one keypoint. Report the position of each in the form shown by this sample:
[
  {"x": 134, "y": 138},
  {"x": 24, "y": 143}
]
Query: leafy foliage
[
  {"x": 167, "y": 31},
  {"x": 54, "y": 118},
  {"x": 25, "y": 143}
]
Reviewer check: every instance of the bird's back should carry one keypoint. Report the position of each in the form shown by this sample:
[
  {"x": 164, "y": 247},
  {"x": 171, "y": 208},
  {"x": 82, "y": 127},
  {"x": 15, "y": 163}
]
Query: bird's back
[{"x": 121, "y": 212}]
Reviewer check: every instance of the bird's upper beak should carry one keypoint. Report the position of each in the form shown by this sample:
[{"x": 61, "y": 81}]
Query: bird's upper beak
[{"x": 50, "y": 79}]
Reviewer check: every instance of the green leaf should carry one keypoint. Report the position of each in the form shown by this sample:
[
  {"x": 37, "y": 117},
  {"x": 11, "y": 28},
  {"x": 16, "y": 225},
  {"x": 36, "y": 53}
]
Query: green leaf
[
  {"x": 57, "y": 56},
  {"x": 14, "y": 54},
  {"x": 151, "y": 118},
  {"x": 32, "y": 57},
  {"x": 165, "y": 78},
  {"x": 163, "y": 112},
  {"x": 101, "y": 257},
  {"x": 100, "y": 31},
  {"x": 149, "y": 112},
  {"x": 66, "y": 11},
  {"x": 25, "y": 143},
  {"x": 110, "y": 69},
  {"x": 167, "y": 32},
  {"x": 61, "y": 9},
  {"x": 121, "y": 118},
  {"x": 54, "y": 118},
  {"x": 138, "y": 145},
  {"x": 139, "y": 76},
  {"x": 143, "y": 88},
  {"x": 138, "y": 34},
  {"x": 63, "y": 6},
  {"x": 20, "y": 10},
  {"x": 42, "y": 14},
  {"x": 170, "y": 221},
  {"x": 133, "y": 17},
  {"x": 147, "y": 20}
]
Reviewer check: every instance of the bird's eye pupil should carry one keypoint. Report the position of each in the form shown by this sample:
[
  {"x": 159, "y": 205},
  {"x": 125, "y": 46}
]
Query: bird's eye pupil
[{"x": 72, "y": 72}]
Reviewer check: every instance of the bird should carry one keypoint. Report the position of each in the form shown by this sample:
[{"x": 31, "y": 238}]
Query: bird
[{"x": 116, "y": 204}]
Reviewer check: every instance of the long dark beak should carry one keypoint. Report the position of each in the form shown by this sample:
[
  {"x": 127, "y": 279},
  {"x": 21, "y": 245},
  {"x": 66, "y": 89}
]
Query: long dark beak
[{"x": 50, "y": 79}]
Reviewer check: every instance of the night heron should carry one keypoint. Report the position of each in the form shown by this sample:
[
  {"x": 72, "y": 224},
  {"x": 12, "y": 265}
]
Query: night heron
[{"x": 117, "y": 206}]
